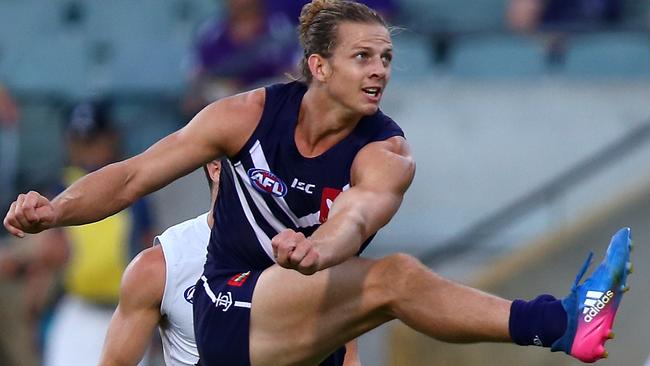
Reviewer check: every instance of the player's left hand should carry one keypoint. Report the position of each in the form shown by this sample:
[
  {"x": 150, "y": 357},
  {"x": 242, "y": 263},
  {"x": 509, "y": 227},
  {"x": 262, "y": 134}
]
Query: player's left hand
[{"x": 292, "y": 250}]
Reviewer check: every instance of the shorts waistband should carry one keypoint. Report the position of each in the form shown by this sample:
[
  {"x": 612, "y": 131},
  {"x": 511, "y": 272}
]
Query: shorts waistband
[{"x": 223, "y": 298}]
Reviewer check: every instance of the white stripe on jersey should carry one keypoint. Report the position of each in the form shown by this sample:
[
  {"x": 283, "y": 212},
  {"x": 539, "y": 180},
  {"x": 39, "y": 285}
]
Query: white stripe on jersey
[
  {"x": 259, "y": 161},
  {"x": 262, "y": 238},
  {"x": 258, "y": 200}
]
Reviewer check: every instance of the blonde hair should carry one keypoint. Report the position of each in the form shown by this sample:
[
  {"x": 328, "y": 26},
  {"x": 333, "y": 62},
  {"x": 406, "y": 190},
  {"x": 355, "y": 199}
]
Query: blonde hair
[{"x": 319, "y": 22}]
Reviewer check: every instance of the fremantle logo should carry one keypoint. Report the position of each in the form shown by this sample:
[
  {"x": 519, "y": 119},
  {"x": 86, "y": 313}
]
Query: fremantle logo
[
  {"x": 267, "y": 182},
  {"x": 224, "y": 300}
]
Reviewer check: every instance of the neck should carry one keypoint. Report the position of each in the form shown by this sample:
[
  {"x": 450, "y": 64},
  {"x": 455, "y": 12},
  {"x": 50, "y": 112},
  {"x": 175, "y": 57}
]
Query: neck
[{"x": 322, "y": 123}]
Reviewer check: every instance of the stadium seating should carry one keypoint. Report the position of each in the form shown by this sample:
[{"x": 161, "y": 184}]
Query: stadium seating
[
  {"x": 445, "y": 15},
  {"x": 413, "y": 55},
  {"x": 608, "y": 55},
  {"x": 497, "y": 56}
]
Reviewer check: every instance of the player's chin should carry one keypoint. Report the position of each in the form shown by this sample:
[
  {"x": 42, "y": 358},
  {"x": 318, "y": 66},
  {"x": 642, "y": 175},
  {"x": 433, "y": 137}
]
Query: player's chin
[{"x": 368, "y": 109}]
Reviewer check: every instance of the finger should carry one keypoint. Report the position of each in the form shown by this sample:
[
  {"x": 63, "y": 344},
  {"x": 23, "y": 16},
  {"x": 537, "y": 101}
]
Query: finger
[
  {"x": 274, "y": 245},
  {"x": 41, "y": 200},
  {"x": 10, "y": 222},
  {"x": 286, "y": 249},
  {"x": 32, "y": 200},
  {"x": 46, "y": 216},
  {"x": 278, "y": 239},
  {"x": 284, "y": 252},
  {"x": 19, "y": 214},
  {"x": 310, "y": 263},
  {"x": 19, "y": 201},
  {"x": 299, "y": 253}
]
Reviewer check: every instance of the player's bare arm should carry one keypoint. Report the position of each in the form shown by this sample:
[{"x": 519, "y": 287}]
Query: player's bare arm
[
  {"x": 381, "y": 174},
  {"x": 220, "y": 129},
  {"x": 138, "y": 312}
]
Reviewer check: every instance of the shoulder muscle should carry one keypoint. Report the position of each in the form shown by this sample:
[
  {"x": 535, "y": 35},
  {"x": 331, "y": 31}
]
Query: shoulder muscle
[
  {"x": 229, "y": 121},
  {"x": 387, "y": 165},
  {"x": 143, "y": 282}
]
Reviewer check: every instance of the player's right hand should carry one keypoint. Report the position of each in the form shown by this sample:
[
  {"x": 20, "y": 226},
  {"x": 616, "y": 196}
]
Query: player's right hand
[
  {"x": 30, "y": 213},
  {"x": 293, "y": 251}
]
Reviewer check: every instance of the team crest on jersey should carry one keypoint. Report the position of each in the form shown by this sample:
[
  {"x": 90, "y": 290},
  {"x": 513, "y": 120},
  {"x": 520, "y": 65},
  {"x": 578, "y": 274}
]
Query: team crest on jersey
[
  {"x": 267, "y": 182},
  {"x": 239, "y": 279},
  {"x": 189, "y": 294},
  {"x": 326, "y": 201}
]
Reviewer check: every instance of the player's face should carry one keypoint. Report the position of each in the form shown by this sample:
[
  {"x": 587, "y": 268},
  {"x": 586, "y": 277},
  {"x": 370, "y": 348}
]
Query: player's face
[{"x": 360, "y": 66}]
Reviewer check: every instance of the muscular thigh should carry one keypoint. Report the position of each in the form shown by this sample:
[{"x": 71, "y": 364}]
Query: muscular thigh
[{"x": 299, "y": 320}]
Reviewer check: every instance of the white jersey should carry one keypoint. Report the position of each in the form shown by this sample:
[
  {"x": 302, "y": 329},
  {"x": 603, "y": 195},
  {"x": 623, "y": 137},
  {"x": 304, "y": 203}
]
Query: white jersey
[{"x": 184, "y": 246}]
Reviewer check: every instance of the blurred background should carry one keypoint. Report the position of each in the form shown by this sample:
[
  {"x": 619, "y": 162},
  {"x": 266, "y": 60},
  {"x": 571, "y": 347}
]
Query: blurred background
[{"x": 529, "y": 120}]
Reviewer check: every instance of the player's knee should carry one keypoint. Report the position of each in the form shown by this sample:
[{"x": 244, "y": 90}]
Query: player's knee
[{"x": 399, "y": 272}]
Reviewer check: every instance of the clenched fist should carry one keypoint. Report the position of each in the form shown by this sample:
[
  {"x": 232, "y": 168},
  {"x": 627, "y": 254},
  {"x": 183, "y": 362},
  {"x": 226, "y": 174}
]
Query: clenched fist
[
  {"x": 292, "y": 250},
  {"x": 30, "y": 213}
]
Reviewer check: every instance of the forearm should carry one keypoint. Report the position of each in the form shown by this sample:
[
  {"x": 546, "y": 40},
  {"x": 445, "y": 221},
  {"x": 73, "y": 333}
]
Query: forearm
[
  {"x": 339, "y": 239},
  {"x": 355, "y": 216},
  {"x": 128, "y": 337},
  {"x": 95, "y": 196}
]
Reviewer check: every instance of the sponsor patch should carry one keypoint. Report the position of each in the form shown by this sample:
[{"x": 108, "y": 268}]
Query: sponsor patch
[
  {"x": 239, "y": 279},
  {"x": 326, "y": 201}
]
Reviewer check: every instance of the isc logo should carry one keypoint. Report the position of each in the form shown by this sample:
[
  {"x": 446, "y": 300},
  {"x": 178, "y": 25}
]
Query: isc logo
[{"x": 267, "y": 182}]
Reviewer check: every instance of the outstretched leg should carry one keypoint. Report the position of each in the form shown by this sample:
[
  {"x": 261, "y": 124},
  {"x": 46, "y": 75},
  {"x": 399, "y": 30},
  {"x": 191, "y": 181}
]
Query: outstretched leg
[{"x": 299, "y": 320}]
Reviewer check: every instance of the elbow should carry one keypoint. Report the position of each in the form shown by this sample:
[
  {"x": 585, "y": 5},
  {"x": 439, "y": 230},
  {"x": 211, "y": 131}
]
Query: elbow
[{"x": 409, "y": 173}]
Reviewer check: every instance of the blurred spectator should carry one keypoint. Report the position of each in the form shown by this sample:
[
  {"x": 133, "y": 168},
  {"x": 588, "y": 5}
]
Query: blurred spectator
[
  {"x": 9, "y": 116},
  {"x": 563, "y": 15},
  {"x": 243, "y": 50},
  {"x": 17, "y": 341},
  {"x": 291, "y": 8},
  {"x": 557, "y": 18},
  {"x": 253, "y": 43},
  {"x": 8, "y": 108},
  {"x": 387, "y": 8},
  {"x": 98, "y": 253}
]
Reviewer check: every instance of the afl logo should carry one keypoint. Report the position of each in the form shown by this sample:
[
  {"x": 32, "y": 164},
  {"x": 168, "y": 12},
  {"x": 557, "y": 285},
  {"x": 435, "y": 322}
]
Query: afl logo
[
  {"x": 189, "y": 294},
  {"x": 267, "y": 182}
]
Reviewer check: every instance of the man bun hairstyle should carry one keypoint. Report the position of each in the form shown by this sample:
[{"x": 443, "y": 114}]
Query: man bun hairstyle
[{"x": 319, "y": 22}]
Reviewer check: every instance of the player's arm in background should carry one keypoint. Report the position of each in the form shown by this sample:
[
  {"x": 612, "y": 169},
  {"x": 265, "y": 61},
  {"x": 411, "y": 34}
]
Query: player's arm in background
[{"x": 138, "y": 313}]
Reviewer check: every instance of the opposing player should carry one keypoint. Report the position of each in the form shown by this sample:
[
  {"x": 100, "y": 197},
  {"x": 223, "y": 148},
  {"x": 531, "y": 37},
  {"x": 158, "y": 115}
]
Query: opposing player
[
  {"x": 314, "y": 170},
  {"x": 157, "y": 289}
]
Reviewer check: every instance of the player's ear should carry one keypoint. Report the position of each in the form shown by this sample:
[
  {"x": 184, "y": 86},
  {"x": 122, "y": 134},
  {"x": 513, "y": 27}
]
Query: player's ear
[{"x": 319, "y": 67}]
